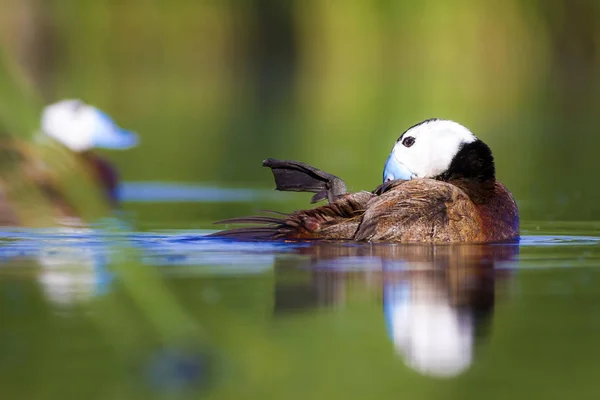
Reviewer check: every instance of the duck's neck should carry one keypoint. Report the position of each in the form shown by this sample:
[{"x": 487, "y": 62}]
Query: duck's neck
[{"x": 472, "y": 170}]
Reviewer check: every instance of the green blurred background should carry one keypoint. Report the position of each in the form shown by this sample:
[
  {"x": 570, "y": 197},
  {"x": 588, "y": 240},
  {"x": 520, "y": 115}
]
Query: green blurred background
[{"x": 214, "y": 87}]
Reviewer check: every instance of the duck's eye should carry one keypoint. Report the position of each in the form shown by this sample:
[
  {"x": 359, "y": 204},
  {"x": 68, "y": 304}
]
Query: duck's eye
[{"x": 408, "y": 141}]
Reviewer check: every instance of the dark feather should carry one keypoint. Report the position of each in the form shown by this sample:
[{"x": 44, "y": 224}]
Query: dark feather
[
  {"x": 387, "y": 186},
  {"x": 249, "y": 233},
  {"x": 250, "y": 220},
  {"x": 275, "y": 212},
  {"x": 296, "y": 176},
  {"x": 268, "y": 228}
]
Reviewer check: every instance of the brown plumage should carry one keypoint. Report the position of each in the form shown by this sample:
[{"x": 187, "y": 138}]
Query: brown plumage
[
  {"x": 420, "y": 210},
  {"x": 464, "y": 203},
  {"x": 28, "y": 184}
]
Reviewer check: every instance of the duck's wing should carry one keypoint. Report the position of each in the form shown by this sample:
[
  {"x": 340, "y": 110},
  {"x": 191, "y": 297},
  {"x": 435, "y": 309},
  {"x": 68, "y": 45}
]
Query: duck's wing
[
  {"x": 338, "y": 220},
  {"x": 300, "y": 177},
  {"x": 420, "y": 210}
]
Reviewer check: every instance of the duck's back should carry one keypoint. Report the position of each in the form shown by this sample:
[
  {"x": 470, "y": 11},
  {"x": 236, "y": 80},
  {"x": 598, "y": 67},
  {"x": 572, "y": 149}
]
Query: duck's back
[
  {"x": 421, "y": 210},
  {"x": 427, "y": 210}
]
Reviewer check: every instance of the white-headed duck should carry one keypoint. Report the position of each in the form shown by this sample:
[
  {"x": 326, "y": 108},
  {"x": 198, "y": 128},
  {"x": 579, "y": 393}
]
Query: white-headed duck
[
  {"x": 439, "y": 186},
  {"x": 80, "y": 128}
]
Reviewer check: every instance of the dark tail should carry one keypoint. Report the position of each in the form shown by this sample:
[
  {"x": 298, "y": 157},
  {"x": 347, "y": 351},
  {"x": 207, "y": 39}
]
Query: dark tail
[
  {"x": 268, "y": 228},
  {"x": 300, "y": 177}
]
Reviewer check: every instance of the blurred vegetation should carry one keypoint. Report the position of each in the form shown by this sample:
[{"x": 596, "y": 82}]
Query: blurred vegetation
[{"x": 214, "y": 87}]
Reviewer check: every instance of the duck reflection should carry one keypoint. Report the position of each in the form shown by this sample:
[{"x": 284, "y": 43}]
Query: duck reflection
[
  {"x": 71, "y": 275},
  {"x": 69, "y": 269},
  {"x": 438, "y": 301},
  {"x": 441, "y": 304}
]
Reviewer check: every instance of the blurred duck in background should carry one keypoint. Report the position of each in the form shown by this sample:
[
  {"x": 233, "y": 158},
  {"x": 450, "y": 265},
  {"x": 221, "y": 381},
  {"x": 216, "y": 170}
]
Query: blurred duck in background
[
  {"x": 28, "y": 177},
  {"x": 81, "y": 128}
]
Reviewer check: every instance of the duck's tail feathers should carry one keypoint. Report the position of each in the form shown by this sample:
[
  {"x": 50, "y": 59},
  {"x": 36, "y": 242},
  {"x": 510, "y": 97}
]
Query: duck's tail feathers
[
  {"x": 296, "y": 176},
  {"x": 267, "y": 228}
]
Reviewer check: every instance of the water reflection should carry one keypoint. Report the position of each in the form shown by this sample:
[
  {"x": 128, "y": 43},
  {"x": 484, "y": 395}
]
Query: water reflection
[
  {"x": 70, "y": 275},
  {"x": 85, "y": 286},
  {"x": 182, "y": 314},
  {"x": 71, "y": 265},
  {"x": 281, "y": 308},
  {"x": 438, "y": 301},
  {"x": 179, "y": 369}
]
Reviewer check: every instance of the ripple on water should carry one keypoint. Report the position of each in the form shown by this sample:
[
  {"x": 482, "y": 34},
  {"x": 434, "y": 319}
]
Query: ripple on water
[
  {"x": 558, "y": 240},
  {"x": 192, "y": 248}
]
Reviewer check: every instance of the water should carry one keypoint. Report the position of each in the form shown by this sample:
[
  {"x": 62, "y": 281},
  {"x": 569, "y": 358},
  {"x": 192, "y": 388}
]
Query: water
[{"x": 162, "y": 312}]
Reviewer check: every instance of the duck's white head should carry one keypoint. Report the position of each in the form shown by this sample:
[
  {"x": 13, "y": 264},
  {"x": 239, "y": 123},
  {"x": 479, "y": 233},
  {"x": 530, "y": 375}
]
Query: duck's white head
[
  {"x": 81, "y": 127},
  {"x": 433, "y": 149}
]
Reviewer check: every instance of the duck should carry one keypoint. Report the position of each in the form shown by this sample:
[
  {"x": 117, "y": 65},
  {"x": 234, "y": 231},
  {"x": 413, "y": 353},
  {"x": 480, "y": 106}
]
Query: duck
[
  {"x": 439, "y": 186},
  {"x": 82, "y": 128},
  {"x": 77, "y": 127}
]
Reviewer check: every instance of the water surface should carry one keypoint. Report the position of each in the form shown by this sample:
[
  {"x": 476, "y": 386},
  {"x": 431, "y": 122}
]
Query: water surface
[{"x": 126, "y": 313}]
